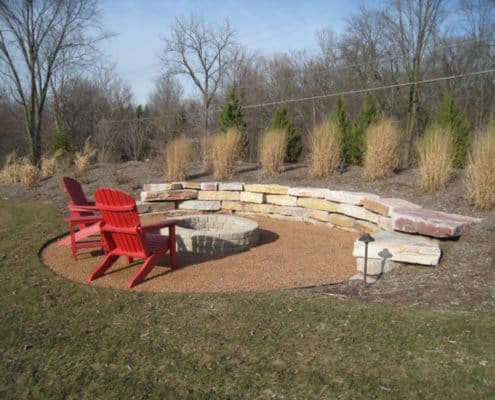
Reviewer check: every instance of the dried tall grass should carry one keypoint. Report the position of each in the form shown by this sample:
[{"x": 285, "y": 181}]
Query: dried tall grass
[
  {"x": 176, "y": 157},
  {"x": 436, "y": 155},
  {"x": 273, "y": 144},
  {"x": 480, "y": 171},
  {"x": 325, "y": 152},
  {"x": 225, "y": 151},
  {"x": 84, "y": 159},
  {"x": 382, "y": 153},
  {"x": 19, "y": 170},
  {"x": 49, "y": 163}
]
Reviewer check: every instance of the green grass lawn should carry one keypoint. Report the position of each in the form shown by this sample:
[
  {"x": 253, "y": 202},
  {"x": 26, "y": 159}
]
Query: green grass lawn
[{"x": 63, "y": 340}]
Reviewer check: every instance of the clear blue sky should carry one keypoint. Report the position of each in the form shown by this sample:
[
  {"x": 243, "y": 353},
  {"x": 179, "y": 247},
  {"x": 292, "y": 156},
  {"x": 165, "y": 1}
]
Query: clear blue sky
[{"x": 266, "y": 26}]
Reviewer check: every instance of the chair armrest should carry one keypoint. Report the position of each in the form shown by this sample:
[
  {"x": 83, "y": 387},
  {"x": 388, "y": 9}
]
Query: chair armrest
[
  {"x": 159, "y": 225},
  {"x": 73, "y": 207},
  {"x": 87, "y": 219}
]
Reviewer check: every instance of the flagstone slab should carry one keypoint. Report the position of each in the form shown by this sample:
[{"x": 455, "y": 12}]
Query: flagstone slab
[
  {"x": 375, "y": 266},
  {"x": 430, "y": 222},
  {"x": 317, "y": 204},
  {"x": 252, "y": 197},
  {"x": 218, "y": 195},
  {"x": 316, "y": 193},
  {"x": 200, "y": 205},
  {"x": 191, "y": 185},
  {"x": 270, "y": 189},
  {"x": 319, "y": 215},
  {"x": 234, "y": 186},
  {"x": 168, "y": 195},
  {"x": 209, "y": 186},
  {"x": 385, "y": 206},
  {"x": 341, "y": 220},
  {"x": 153, "y": 187},
  {"x": 281, "y": 200},
  {"x": 357, "y": 212},
  {"x": 366, "y": 226},
  {"x": 342, "y": 196},
  {"x": 400, "y": 247}
]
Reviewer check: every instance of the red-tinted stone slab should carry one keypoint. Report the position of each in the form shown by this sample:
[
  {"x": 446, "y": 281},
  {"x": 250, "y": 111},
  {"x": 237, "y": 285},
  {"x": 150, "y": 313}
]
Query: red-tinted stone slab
[
  {"x": 169, "y": 195},
  {"x": 385, "y": 206},
  {"x": 430, "y": 222}
]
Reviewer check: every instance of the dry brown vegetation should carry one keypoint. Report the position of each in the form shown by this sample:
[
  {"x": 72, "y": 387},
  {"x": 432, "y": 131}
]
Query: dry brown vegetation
[
  {"x": 49, "y": 163},
  {"x": 324, "y": 149},
  {"x": 436, "y": 155},
  {"x": 19, "y": 170},
  {"x": 382, "y": 149},
  {"x": 272, "y": 151},
  {"x": 83, "y": 159},
  {"x": 225, "y": 151},
  {"x": 176, "y": 157},
  {"x": 480, "y": 172}
]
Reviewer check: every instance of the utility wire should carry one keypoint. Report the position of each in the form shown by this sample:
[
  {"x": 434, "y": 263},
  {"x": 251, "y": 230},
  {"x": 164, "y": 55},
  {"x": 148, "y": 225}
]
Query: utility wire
[
  {"x": 372, "y": 89},
  {"x": 349, "y": 92}
]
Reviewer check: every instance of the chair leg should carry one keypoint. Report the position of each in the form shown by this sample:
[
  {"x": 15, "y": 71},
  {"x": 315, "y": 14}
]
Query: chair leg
[
  {"x": 172, "y": 247},
  {"x": 145, "y": 269},
  {"x": 107, "y": 262}
]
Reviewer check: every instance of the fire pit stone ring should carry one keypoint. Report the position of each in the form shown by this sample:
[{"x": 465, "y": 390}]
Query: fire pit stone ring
[{"x": 215, "y": 234}]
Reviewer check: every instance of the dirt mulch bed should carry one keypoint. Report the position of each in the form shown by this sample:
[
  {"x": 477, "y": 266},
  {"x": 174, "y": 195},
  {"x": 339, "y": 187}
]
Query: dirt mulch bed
[{"x": 289, "y": 255}]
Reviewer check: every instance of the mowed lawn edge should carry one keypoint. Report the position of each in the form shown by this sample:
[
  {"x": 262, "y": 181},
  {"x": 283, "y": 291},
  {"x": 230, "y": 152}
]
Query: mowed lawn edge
[{"x": 61, "y": 339}]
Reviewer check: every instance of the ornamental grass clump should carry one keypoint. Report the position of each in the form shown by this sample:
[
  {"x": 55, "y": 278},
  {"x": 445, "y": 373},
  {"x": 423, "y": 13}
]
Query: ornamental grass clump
[
  {"x": 176, "y": 158},
  {"x": 84, "y": 159},
  {"x": 225, "y": 151},
  {"x": 273, "y": 145},
  {"x": 436, "y": 155},
  {"x": 480, "y": 171},
  {"x": 19, "y": 170},
  {"x": 324, "y": 149},
  {"x": 382, "y": 154},
  {"x": 49, "y": 163}
]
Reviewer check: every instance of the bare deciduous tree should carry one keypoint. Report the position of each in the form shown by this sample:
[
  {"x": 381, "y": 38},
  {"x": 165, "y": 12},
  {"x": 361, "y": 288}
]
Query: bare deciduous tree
[
  {"x": 411, "y": 24},
  {"x": 201, "y": 52},
  {"x": 38, "y": 38}
]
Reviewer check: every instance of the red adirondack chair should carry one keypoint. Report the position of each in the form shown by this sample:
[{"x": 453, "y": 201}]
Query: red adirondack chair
[
  {"x": 125, "y": 236},
  {"x": 84, "y": 216}
]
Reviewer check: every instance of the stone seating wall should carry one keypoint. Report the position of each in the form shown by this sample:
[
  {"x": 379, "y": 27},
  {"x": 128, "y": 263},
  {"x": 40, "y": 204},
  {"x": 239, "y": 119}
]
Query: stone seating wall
[{"x": 404, "y": 232}]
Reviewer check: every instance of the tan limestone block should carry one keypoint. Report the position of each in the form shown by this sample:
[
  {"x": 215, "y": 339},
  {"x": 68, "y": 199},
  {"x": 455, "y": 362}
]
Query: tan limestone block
[
  {"x": 317, "y": 204},
  {"x": 341, "y": 220},
  {"x": 281, "y": 200},
  {"x": 252, "y": 197},
  {"x": 218, "y": 195},
  {"x": 271, "y": 189}
]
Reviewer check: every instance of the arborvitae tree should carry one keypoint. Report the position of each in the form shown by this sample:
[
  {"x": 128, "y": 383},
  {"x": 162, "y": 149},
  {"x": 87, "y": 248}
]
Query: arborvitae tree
[
  {"x": 281, "y": 120},
  {"x": 339, "y": 115},
  {"x": 232, "y": 116},
  {"x": 60, "y": 142},
  {"x": 367, "y": 116},
  {"x": 448, "y": 114}
]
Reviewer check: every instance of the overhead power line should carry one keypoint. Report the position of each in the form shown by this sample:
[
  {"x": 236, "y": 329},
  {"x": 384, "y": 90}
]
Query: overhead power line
[
  {"x": 372, "y": 89},
  {"x": 329, "y": 95}
]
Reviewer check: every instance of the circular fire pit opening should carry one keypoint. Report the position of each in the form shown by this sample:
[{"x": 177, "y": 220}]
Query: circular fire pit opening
[{"x": 215, "y": 234}]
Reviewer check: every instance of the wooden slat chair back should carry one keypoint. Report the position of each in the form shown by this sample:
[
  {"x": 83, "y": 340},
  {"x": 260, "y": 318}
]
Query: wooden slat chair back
[
  {"x": 79, "y": 205},
  {"x": 84, "y": 216},
  {"x": 125, "y": 236}
]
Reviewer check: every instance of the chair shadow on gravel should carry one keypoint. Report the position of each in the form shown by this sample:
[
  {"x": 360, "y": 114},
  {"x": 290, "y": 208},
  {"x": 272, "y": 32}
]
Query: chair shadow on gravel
[{"x": 186, "y": 259}]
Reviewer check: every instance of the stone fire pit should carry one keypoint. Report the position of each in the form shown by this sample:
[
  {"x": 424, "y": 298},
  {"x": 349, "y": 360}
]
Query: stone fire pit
[{"x": 215, "y": 234}]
